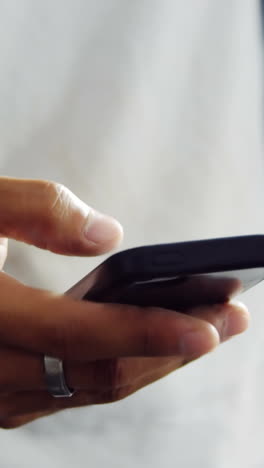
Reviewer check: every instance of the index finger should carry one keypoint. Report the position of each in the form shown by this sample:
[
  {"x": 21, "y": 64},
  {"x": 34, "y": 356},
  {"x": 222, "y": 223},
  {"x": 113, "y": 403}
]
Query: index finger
[
  {"x": 50, "y": 216},
  {"x": 60, "y": 326}
]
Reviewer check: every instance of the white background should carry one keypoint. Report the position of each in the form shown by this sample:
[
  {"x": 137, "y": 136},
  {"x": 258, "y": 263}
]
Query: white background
[{"x": 150, "y": 110}]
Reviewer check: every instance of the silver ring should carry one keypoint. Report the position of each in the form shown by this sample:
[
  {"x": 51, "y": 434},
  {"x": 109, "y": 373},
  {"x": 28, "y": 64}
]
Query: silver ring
[{"x": 55, "y": 378}]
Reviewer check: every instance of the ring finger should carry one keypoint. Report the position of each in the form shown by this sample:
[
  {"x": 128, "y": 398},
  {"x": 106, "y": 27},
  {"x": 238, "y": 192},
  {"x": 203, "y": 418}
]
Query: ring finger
[{"x": 24, "y": 371}]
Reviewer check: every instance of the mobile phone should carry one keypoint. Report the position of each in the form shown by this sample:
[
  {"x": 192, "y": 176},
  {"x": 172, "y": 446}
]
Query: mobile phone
[{"x": 177, "y": 276}]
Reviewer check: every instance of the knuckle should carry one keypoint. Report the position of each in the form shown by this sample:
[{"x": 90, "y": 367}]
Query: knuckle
[
  {"x": 111, "y": 379},
  {"x": 115, "y": 394},
  {"x": 100, "y": 375},
  {"x": 62, "y": 218},
  {"x": 153, "y": 337},
  {"x": 65, "y": 336},
  {"x": 143, "y": 333},
  {"x": 53, "y": 190},
  {"x": 55, "y": 200},
  {"x": 107, "y": 373},
  {"x": 50, "y": 201},
  {"x": 114, "y": 372}
]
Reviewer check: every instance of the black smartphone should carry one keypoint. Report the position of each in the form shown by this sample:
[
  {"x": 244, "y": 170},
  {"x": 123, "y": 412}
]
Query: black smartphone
[{"x": 177, "y": 276}]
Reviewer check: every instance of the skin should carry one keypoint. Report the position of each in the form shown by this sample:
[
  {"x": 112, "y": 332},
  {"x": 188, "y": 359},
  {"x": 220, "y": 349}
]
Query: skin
[{"x": 109, "y": 351}]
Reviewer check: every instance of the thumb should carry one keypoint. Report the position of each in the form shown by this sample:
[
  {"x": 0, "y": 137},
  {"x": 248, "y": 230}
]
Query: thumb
[{"x": 51, "y": 217}]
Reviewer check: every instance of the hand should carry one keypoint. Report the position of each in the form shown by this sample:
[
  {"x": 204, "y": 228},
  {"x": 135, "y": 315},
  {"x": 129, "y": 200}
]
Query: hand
[{"x": 109, "y": 351}]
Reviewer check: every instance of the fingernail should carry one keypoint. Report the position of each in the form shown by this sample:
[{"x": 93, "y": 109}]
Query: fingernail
[
  {"x": 196, "y": 343},
  {"x": 235, "y": 322},
  {"x": 101, "y": 228}
]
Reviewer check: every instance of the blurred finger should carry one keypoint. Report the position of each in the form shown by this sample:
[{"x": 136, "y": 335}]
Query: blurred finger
[
  {"x": 60, "y": 326},
  {"x": 23, "y": 370},
  {"x": 229, "y": 319}
]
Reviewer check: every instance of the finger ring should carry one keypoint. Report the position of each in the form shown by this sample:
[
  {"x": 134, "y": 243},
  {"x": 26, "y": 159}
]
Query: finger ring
[{"x": 55, "y": 378}]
